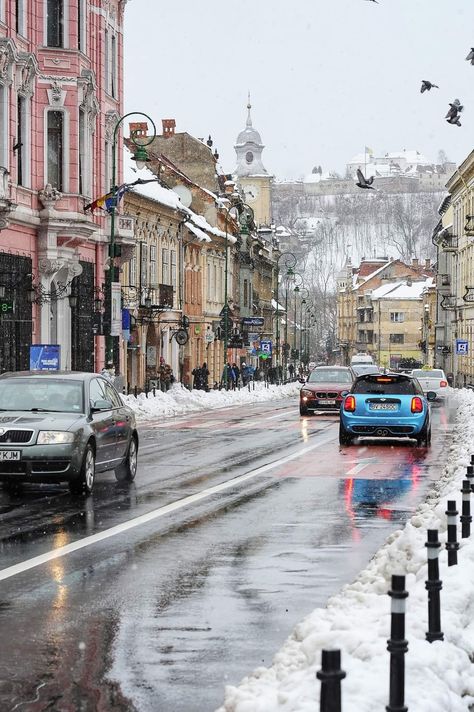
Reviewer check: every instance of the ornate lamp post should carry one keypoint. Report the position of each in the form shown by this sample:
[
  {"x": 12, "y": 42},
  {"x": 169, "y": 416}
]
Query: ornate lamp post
[
  {"x": 289, "y": 261},
  {"x": 141, "y": 159},
  {"x": 245, "y": 215}
]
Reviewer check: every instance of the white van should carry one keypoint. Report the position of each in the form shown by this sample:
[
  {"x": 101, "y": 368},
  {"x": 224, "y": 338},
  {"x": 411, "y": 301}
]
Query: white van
[{"x": 362, "y": 360}]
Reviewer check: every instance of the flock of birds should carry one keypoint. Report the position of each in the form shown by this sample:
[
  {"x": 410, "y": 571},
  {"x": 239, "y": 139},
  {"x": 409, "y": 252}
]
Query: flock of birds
[{"x": 452, "y": 117}]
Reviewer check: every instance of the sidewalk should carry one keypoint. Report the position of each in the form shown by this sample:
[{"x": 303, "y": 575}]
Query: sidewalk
[{"x": 440, "y": 675}]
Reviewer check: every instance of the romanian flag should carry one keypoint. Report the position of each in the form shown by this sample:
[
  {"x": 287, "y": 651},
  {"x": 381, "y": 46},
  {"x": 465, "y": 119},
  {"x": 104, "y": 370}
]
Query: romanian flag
[{"x": 109, "y": 201}]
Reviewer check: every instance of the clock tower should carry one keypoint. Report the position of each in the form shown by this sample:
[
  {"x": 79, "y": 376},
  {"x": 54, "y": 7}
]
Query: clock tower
[{"x": 251, "y": 173}]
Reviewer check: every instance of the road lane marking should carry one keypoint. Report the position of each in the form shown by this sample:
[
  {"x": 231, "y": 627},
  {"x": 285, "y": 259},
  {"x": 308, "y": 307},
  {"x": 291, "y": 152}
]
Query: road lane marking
[
  {"x": 280, "y": 415},
  {"x": 360, "y": 466},
  {"x": 23, "y": 566}
]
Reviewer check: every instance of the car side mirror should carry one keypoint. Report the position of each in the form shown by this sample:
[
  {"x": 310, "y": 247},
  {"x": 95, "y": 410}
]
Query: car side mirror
[
  {"x": 431, "y": 395},
  {"x": 101, "y": 404},
  {"x": 344, "y": 393}
]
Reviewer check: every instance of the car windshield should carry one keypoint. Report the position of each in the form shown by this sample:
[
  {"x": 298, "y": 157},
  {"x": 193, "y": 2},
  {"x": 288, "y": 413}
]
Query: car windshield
[
  {"x": 384, "y": 385},
  {"x": 421, "y": 373},
  {"x": 337, "y": 375},
  {"x": 41, "y": 394}
]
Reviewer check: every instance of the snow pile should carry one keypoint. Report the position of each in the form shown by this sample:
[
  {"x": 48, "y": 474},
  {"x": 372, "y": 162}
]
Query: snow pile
[
  {"x": 179, "y": 401},
  {"x": 439, "y": 676}
]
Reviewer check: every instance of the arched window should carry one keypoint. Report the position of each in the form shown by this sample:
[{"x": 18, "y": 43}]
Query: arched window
[{"x": 55, "y": 148}]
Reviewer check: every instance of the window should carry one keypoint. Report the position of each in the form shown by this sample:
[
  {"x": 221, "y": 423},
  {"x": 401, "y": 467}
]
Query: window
[
  {"x": 96, "y": 391},
  {"x": 397, "y": 338},
  {"x": 132, "y": 271},
  {"x": 112, "y": 395},
  {"x": 55, "y": 149},
  {"x": 153, "y": 276},
  {"x": 214, "y": 291},
  {"x": 54, "y": 23},
  {"x": 82, "y": 151},
  {"x": 144, "y": 264},
  {"x": 81, "y": 26},
  {"x": 209, "y": 281},
  {"x": 165, "y": 266},
  {"x": 246, "y": 293},
  {"x": 113, "y": 68},
  {"x": 173, "y": 268},
  {"x": 108, "y": 165},
  {"x": 106, "y": 60},
  {"x": 20, "y": 142},
  {"x": 3, "y": 126},
  {"x": 397, "y": 317},
  {"x": 20, "y": 17}
]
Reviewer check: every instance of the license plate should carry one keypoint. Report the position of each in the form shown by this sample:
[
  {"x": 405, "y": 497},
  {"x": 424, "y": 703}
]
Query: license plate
[
  {"x": 10, "y": 455},
  {"x": 383, "y": 406},
  {"x": 327, "y": 401}
]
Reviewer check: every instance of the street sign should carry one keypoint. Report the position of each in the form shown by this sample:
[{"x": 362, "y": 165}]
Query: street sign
[
  {"x": 6, "y": 306},
  {"x": 235, "y": 343},
  {"x": 266, "y": 347},
  {"x": 462, "y": 347},
  {"x": 253, "y": 321},
  {"x": 209, "y": 336}
]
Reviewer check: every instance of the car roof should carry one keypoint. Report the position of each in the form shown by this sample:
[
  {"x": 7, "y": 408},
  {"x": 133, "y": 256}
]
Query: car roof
[
  {"x": 331, "y": 368},
  {"x": 63, "y": 375}
]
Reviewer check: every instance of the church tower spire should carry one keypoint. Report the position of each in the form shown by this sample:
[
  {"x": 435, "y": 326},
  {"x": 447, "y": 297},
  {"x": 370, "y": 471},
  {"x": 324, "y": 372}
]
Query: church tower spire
[{"x": 249, "y": 149}]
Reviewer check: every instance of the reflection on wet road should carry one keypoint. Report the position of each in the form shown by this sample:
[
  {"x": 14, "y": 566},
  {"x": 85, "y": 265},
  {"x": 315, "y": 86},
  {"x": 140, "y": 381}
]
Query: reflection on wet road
[{"x": 240, "y": 522}]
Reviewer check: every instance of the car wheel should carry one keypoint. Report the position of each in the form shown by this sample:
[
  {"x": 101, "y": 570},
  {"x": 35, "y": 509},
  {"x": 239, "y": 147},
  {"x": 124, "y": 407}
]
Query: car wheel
[
  {"x": 345, "y": 438},
  {"x": 424, "y": 438},
  {"x": 303, "y": 410},
  {"x": 84, "y": 484},
  {"x": 128, "y": 469}
]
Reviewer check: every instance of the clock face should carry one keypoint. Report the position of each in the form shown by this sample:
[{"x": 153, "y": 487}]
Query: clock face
[
  {"x": 249, "y": 156},
  {"x": 251, "y": 192}
]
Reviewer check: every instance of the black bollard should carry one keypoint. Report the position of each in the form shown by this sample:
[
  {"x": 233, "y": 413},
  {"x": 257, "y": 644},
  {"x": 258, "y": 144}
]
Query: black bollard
[
  {"x": 452, "y": 545},
  {"x": 154, "y": 392},
  {"x": 249, "y": 386},
  {"x": 433, "y": 586},
  {"x": 470, "y": 475},
  {"x": 330, "y": 676},
  {"x": 466, "y": 517},
  {"x": 472, "y": 459},
  {"x": 397, "y": 646},
  {"x": 135, "y": 391}
]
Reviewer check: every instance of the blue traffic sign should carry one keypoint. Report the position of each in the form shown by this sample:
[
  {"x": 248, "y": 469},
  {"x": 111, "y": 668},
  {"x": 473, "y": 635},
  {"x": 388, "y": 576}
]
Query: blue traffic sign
[{"x": 462, "y": 347}]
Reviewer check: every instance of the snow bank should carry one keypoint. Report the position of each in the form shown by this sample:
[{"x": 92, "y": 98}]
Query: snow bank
[
  {"x": 439, "y": 676},
  {"x": 179, "y": 401}
]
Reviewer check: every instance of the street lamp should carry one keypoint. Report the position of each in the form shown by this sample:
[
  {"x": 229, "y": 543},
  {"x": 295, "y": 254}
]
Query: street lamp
[
  {"x": 141, "y": 158},
  {"x": 245, "y": 216},
  {"x": 289, "y": 261},
  {"x": 296, "y": 279}
]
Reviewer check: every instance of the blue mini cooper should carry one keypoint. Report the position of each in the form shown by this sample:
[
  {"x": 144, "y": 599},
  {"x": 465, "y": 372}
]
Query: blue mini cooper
[{"x": 390, "y": 405}]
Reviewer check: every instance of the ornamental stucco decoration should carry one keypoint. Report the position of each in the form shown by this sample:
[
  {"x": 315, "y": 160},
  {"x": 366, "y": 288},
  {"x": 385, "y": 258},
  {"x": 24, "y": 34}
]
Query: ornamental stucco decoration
[
  {"x": 27, "y": 71},
  {"x": 49, "y": 196},
  {"x": 111, "y": 119},
  {"x": 56, "y": 95},
  {"x": 7, "y": 60}
]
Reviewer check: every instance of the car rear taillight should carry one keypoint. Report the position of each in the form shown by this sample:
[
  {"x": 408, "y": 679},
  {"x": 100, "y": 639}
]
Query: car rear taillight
[
  {"x": 416, "y": 405},
  {"x": 443, "y": 384},
  {"x": 350, "y": 404}
]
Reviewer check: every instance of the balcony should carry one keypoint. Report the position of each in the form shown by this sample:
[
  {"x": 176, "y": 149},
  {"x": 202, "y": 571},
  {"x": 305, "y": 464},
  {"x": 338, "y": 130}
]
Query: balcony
[
  {"x": 446, "y": 240},
  {"x": 125, "y": 229}
]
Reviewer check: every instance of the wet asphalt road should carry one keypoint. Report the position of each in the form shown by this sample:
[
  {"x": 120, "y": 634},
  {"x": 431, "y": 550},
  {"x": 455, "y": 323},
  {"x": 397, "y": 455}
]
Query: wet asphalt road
[{"x": 245, "y": 519}]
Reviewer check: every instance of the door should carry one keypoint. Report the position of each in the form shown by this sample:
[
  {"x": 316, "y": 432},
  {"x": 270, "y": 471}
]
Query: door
[
  {"x": 122, "y": 419},
  {"x": 103, "y": 425}
]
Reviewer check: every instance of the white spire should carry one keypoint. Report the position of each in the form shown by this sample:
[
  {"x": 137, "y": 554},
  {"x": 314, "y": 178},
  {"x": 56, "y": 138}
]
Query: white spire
[{"x": 249, "y": 118}]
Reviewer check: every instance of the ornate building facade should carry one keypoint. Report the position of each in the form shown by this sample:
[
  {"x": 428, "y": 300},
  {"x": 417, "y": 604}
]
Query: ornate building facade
[{"x": 60, "y": 99}]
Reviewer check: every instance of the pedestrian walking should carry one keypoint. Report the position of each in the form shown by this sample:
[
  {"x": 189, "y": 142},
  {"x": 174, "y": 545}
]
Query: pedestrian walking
[
  {"x": 197, "y": 378},
  {"x": 236, "y": 371},
  {"x": 166, "y": 376},
  {"x": 291, "y": 371},
  {"x": 205, "y": 377}
]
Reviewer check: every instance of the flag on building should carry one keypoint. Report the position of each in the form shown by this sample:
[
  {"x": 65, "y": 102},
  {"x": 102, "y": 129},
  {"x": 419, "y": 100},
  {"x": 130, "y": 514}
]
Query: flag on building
[{"x": 109, "y": 200}]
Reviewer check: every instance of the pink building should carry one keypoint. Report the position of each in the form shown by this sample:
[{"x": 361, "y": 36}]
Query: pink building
[{"x": 61, "y": 87}]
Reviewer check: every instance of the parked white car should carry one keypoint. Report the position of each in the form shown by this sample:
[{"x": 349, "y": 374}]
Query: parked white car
[{"x": 432, "y": 380}]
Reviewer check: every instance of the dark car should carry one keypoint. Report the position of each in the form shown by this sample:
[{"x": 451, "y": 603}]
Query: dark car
[
  {"x": 388, "y": 405},
  {"x": 323, "y": 387},
  {"x": 64, "y": 427}
]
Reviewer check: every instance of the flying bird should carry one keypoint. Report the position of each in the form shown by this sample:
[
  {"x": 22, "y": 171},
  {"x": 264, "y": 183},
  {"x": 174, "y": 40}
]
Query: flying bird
[
  {"x": 377, "y": 1},
  {"x": 454, "y": 120},
  {"x": 455, "y": 109},
  {"x": 470, "y": 56},
  {"x": 427, "y": 86},
  {"x": 364, "y": 182}
]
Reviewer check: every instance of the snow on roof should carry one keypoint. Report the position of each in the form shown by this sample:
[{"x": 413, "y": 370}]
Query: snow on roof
[
  {"x": 402, "y": 290},
  {"x": 165, "y": 196},
  {"x": 274, "y": 306},
  {"x": 200, "y": 234}
]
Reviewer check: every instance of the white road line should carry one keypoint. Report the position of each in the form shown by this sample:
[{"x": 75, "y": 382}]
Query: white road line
[
  {"x": 280, "y": 415},
  {"x": 357, "y": 468},
  {"x": 23, "y": 566}
]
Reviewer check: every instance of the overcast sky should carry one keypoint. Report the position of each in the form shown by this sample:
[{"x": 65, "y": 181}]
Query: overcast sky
[{"x": 327, "y": 77}]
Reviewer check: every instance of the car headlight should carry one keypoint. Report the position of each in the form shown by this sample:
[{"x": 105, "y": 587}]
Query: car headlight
[
  {"x": 306, "y": 392},
  {"x": 54, "y": 437}
]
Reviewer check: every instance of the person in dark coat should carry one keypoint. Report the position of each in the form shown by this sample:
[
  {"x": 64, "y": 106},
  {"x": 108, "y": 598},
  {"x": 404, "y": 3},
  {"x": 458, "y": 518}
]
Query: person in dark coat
[
  {"x": 236, "y": 371},
  {"x": 204, "y": 377},
  {"x": 197, "y": 378}
]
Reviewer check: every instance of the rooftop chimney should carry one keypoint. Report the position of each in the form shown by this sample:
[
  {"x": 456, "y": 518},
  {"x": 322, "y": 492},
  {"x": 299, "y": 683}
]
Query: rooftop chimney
[
  {"x": 138, "y": 129},
  {"x": 169, "y": 126},
  {"x": 414, "y": 262},
  {"x": 427, "y": 263}
]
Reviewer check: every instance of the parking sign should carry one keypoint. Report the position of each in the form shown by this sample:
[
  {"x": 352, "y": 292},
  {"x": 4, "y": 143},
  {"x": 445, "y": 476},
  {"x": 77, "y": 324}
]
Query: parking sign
[
  {"x": 462, "y": 347},
  {"x": 266, "y": 347}
]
